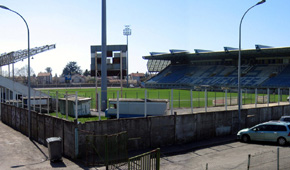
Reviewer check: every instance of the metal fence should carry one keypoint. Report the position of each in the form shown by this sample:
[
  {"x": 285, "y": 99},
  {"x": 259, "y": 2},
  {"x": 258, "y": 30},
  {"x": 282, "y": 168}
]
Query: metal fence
[
  {"x": 188, "y": 99},
  {"x": 146, "y": 161},
  {"x": 108, "y": 150}
]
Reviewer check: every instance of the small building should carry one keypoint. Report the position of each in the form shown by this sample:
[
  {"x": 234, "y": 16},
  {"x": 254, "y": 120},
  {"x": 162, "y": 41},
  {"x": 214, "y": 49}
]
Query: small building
[
  {"x": 44, "y": 78},
  {"x": 78, "y": 79},
  {"x": 84, "y": 106},
  {"x": 137, "y": 76}
]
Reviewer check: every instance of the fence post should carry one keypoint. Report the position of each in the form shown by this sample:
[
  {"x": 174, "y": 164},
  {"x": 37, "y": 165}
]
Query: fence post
[
  {"x": 99, "y": 105},
  {"x": 278, "y": 96},
  {"x": 158, "y": 159},
  {"x": 249, "y": 161},
  {"x": 179, "y": 98},
  {"x": 145, "y": 104},
  {"x": 118, "y": 109},
  {"x": 241, "y": 98},
  {"x": 76, "y": 107},
  {"x": 48, "y": 102},
  {"x": 256, "y": 97},
  {"x": 34, "y": 104},
  {"x": 40, "y": 102},
  {"x": 215, "y": 98},
  {"x": 226, "y": 99},
  {"x": 191, "y": 104},
  {"x": 17, "y": 103},
  {"x": 268, "y": 96},
  {"x": 66, "y": 105},
  {"x": 171, "y": 101},
  {"x": 205, "y": 101},
  {"x": 56, "y": 103}
]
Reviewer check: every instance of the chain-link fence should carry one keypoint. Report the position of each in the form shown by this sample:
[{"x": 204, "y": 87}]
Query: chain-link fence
[{"x": 197, "y": 98}]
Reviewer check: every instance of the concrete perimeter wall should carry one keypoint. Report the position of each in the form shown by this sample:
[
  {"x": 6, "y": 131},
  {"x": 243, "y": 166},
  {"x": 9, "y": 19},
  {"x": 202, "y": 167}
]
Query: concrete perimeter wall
[
  {"x": 42, "y": 127},
  {"x": 143, "y": 133}
]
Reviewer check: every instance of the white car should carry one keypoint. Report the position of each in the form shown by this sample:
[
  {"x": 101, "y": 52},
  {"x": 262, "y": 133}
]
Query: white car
[{"x": 285, "y": 118}]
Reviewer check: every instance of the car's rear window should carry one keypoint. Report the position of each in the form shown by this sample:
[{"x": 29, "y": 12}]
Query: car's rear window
[
  {"x": 286, "y": 119},
  {"x": 281, "y": 128}
]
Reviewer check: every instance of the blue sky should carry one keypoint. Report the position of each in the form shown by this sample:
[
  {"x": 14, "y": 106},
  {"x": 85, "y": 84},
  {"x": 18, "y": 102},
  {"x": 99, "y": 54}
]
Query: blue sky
[{"x": 75, "y": 25}]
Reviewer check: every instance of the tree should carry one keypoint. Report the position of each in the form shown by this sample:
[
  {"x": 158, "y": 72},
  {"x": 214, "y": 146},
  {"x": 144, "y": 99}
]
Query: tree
[
  {"x": 23, "y": 71},
  {"x": 48, "y": 69},
  {"x": 86, "y": 73},
  {"x": 71, "y": 68}
]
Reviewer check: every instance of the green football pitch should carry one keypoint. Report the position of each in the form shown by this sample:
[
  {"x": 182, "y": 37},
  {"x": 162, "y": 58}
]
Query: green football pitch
[{"x": 181, "y": 98}]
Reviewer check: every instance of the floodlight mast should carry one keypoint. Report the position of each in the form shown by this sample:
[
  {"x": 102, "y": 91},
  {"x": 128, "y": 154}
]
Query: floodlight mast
[
  {"x": 127, "y": 32},
  {"x": 239, "y": 61},
  {"x": 104, "y": 58},
  {"x": 28, "y": 77}
]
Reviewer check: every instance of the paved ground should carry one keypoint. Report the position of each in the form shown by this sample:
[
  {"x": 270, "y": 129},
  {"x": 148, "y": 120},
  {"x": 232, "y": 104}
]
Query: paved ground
[
  {"x": 229, "y": 156},
  {"x": 18, "y": 152}
]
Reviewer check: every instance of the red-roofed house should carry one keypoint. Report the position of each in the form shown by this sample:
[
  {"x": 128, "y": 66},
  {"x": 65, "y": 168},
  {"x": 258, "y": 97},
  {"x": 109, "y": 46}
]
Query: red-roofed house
[{"x": 44, "y": 78}]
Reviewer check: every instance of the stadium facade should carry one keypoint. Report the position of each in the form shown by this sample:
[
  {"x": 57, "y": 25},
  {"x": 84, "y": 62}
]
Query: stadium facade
[{"x": 262, "y": 67}]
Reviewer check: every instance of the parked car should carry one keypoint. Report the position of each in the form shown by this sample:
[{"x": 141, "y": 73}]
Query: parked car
[
  {"x": 269, "y": 131},
  {"x": 285, "y": 118}
]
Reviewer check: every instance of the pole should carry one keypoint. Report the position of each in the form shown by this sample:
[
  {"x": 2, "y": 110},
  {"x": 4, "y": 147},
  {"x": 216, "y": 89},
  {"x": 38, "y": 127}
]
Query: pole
[
  {"x": 145, "y": 104},
  {"x": 226, "y": 99},
  {"x": 118, "y": 110},
  {"x": 127, "y": 63},
  {"x": 205, "y": 101},
  {"x": 96, "y": 75},
  {"x": 191, "y": 104},
  {"x": 104, "y": 57},
  {"x": 56, "y": 98},
  {"x": 121, "y": 73},
  {"x": 239, "y": 61}
]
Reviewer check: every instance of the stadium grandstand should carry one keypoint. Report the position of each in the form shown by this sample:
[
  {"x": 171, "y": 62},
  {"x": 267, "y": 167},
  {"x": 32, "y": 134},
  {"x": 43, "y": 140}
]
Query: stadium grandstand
[{"x": 262, "y": 67}]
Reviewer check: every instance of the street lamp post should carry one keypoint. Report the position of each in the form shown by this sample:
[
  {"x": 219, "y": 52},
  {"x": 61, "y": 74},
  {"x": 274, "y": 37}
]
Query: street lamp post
[
  {"x": 239, "y": 62},
  {"x": 28, "y": 77},
  {"x": 127, "y": 32}
]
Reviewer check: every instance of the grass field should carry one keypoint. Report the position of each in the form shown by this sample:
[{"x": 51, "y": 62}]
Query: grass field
[
  {"x": 80, "y": 119},
  {"x": 181, "y": 98}
]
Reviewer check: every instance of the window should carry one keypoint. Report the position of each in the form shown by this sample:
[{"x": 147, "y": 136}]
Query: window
[{"x": 279, "y": 128}]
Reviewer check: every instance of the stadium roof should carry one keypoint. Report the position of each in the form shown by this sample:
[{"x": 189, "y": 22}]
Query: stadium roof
[{"x": 282, "y": 52}]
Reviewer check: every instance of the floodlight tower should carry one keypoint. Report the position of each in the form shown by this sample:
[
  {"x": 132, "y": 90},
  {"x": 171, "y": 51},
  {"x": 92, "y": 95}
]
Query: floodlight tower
[
  {"x": 127, "y": 32},
  {"x": 104, "y": 58}
]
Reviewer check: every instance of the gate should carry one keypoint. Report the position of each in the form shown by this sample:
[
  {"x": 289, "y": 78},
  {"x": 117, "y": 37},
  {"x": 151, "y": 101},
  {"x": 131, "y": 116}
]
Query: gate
[
  {"x": 146, "y": 161},
  {"x": 108, "y": 150}
]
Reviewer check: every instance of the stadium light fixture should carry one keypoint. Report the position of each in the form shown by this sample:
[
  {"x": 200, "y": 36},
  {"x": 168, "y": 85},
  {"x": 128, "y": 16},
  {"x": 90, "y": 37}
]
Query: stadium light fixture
[
  {"x": 127, "y": 31},
  {"x": 239, "y": 61},
  {"x": 28, "y": 77}
]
